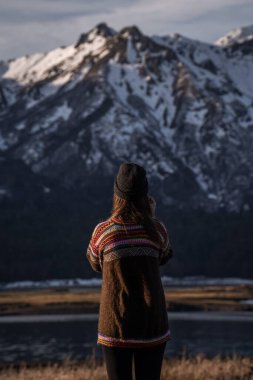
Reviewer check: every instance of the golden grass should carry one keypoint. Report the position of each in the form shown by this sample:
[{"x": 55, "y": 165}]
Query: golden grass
[
  {"x": 180, "y": 368},
  {"x": 87, "y": 300},
  {"x": 210, "y": 297},
  {"x": 48, "y": 296}
]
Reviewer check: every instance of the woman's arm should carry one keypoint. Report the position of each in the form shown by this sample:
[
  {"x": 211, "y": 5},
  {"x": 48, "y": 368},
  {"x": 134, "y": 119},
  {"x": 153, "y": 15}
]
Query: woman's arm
[
  {"x": 92, "y": 253},
  {"x": 167, "y": 252}
]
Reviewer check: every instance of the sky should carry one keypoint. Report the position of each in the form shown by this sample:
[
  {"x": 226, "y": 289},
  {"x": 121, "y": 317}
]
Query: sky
[{"x": 30, "y": 26}]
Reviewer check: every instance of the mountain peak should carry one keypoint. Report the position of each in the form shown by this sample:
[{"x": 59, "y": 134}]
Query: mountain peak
[
  {"x": 236, "y": 35},
  {"x": 132, "y": 31},
  {"x": 101, "y": 29}
]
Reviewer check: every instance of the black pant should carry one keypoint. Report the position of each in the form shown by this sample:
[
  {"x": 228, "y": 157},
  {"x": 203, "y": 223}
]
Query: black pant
[{"x": 147, "y": 362}]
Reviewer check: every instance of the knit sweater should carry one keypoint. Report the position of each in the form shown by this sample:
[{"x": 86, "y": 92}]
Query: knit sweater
[{"x": 132, "y": 311}]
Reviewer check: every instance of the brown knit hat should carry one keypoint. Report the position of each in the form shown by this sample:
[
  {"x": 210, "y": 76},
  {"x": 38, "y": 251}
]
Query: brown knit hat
[{"x": 131, "y": 181}]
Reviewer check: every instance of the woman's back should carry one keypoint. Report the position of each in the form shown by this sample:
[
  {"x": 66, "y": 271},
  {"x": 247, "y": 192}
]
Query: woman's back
[{"x": 132, "y": 309}]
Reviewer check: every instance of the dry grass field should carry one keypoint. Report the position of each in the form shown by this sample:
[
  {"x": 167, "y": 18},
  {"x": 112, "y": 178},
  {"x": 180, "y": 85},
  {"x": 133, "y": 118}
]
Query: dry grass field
[
  {"x": 183, "y": 368},
  {"x": 76, "y": 300}
]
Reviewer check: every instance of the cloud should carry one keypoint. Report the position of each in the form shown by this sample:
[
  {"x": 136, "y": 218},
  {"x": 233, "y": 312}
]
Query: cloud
[
  {"x": 28, "y": 26},
  {"x": 23, "y": 11}
]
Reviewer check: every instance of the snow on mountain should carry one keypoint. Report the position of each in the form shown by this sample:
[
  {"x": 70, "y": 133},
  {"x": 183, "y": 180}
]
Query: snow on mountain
[
  {"x": 236, "y": 36},
  {"x": 180, "y": 107}
]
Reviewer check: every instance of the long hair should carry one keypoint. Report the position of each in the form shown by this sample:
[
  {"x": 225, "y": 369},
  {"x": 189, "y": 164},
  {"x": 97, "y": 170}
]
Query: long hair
[{"x": 137, "y": 211}]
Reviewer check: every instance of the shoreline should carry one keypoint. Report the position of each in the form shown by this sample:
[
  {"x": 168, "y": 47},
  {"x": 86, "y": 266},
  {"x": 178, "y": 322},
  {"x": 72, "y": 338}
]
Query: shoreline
[
  {"x": 87, "y": 300},
  {"x": 234, "y": 316}
]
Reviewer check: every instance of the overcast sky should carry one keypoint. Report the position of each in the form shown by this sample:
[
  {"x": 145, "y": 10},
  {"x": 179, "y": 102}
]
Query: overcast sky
[{"x": 29, "y": 26}]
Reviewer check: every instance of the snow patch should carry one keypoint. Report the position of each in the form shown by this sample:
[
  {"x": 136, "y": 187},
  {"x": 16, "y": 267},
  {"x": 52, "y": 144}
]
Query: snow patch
[
  {"x": 104, "y": 53},
  {"x": 33, "y": 152},
  {"x": 64, "y": 111},
  {"x": 8, "y": 140},
  {"x": 220, "y": 132},
  {"x": 61, "y": 112},
  {"x": 235, "y": 35},
  {"x": 3, "y": 144},
  {"x": 20, "y": 126},
  {"x": 4, "y": 193},
  {"x": 131, "y": 52},
  {"x": 97, "y": 282},
  {"x": 37, "y": 64},
  {"x": 196, "y": 116},
  {"x": 212, "y": 196}
]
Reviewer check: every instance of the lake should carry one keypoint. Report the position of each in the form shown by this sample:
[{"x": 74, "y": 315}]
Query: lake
[{"x": 55, "y": 337}]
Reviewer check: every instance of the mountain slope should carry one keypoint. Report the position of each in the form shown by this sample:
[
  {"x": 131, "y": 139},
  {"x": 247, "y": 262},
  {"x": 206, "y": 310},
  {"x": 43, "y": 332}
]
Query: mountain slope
[{"x": 180, "y": 107}]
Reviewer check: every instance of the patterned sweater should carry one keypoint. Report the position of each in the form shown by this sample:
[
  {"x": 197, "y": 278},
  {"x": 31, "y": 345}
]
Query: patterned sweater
[{"x": 132, "y": 311}]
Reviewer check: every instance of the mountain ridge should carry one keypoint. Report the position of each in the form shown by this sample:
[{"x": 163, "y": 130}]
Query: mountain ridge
[{"x": 182, "y": 99}]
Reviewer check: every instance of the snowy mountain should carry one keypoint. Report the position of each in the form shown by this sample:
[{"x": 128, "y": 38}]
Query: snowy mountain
[
  {"x": 181, "y": 108},
  {"x": 237, "y": 35}
]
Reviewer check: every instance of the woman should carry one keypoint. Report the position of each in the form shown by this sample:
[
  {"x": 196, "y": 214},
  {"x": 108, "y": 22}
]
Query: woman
[{"x": 127, "y": 248}]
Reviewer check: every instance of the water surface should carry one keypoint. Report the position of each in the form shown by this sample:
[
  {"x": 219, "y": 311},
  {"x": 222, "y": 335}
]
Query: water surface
[{"x": 55, "y": 337}]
